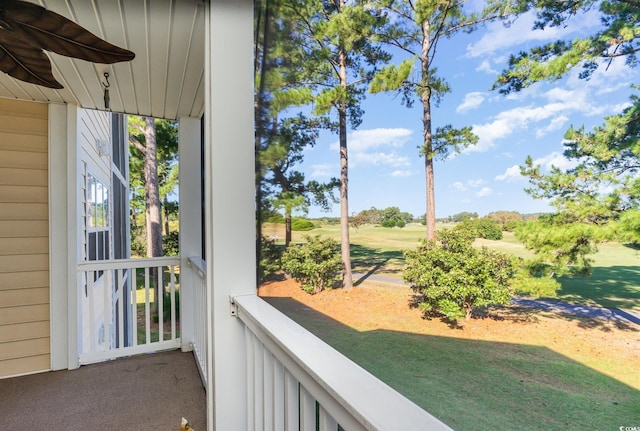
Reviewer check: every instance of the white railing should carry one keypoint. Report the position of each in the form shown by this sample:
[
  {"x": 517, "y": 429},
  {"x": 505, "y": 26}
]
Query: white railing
[
  {"x": 199, "y": 289},
  {"x": 116, "y": 300},
  {"x": 297, "y": 382}
]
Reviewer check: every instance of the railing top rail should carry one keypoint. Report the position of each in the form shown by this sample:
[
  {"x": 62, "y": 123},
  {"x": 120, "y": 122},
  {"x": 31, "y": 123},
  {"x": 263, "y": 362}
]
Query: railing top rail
[
  {"x": 199, "y": 264},
  {"x": 372, "y": 403},
  {"x": 148, "y": 262}
]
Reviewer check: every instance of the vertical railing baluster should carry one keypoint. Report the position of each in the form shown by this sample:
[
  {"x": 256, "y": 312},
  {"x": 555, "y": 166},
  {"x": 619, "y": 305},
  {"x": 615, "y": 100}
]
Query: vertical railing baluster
[
  {"x": 120, "y": 283},
  {"x": 160, "y": 302},
  {"x": 147, "y": 311},
  {"x": 250, "y": 341},
  {"x": 292, "y": 402},
  {"x": 307, "y": 411},
  {"x": 172, "y": 278},
  {"x": 267, "y": 389},
  {"x": 259, "y": 384},
  {"x": 93, "y": 339},
  {"x": 133, "y": 274},
  {"x": 326, "y": 421},
  {"x": 278, "y": 403},
  {"x": 106, "y": 308}
]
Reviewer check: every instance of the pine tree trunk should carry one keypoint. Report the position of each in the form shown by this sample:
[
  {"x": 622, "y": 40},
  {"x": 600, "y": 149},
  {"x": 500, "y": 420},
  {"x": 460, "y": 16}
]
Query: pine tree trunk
[
  {"x": 260, "y": 67},
  {"x": 347, "y": 277},
  {"x": 287, "y": 228},
  {"x": 430, "y": 217},
  {"x": 165, "y": 212},
  {"x": 152, "y": 203}
]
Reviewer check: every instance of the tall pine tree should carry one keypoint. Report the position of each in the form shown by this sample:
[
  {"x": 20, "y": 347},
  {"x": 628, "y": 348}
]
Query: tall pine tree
[
  {"x": 340, "y": 58},
  {"x": 416, "y": 27}
]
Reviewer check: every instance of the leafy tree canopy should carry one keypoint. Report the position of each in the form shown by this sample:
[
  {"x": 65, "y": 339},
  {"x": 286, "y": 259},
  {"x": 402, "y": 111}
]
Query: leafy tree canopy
[
  {"x": 619, "y": 36},
  {"x": 605, "y": 182},
  {"x": 598, "y": 196}
]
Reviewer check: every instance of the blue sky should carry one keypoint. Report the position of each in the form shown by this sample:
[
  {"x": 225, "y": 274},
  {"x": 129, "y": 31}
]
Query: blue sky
[{"x": 385, "y": 166}]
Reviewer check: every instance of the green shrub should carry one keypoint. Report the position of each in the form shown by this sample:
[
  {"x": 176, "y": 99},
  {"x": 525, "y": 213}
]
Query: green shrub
[
  {"x": 535, "y": 287},
  {"x": 138, "y": 241},
  {"x": 512, "y": 225},
  {"x": 274, "y": 217},
  {"x": 171, "y": 244},
  {"x": 452, "y": 278},
  {"x": 388, "y": 223},
  {"x": 301, "y": 224},
  {"x": 315, "y": 264},
  {"x": 270, "y": 258},
  {"x": 562, "y": 247},
  {"x": 484, "y": 228}
]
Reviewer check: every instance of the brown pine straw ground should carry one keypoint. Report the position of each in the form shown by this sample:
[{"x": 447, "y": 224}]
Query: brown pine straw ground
[{"x": 608, "y": 347}]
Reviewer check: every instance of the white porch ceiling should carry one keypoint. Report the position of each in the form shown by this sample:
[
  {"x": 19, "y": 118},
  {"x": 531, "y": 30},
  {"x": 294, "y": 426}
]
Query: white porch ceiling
[{"x": 166, "y": 78}]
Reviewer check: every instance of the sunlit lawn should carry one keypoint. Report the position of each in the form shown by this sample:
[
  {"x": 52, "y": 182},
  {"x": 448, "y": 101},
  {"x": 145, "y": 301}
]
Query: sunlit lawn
[
  {"x": 615, "y": 281},
  {"x": 484, "y": 384},
  {"x": 141, "y": 308}
]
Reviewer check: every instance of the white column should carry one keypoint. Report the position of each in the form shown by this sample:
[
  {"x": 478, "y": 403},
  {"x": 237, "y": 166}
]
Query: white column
[
  {"x": 229, "y": 202},
  {"x": 190, "y": 196},
  {"x": 58, "y": 275},
  {"x": 74, "y": 241}
]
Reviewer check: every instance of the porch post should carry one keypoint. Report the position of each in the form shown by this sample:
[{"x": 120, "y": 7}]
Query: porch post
[
  {"x": 58, "y": 273},
  {"x": 74, "y": 239},
  {"x": 190, "y": 196},
  {"x": 229, "y": 202}
]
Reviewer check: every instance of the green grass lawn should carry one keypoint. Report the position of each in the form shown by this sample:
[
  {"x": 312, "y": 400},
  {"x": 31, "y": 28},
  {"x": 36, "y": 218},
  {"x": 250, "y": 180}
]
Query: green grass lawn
[
  {"x": 141, "y": 315},
  {"x": 615, "y": 281},
  {"x": 488, "y": 385},
  {"x": 482, "y": 385}
]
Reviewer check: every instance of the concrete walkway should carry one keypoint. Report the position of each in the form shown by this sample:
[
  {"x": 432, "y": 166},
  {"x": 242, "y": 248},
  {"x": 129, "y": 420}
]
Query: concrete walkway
[{"x": 625, "y": 316}]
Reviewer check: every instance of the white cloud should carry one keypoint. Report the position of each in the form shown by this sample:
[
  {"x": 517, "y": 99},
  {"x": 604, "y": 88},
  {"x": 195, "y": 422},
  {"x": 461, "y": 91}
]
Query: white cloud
[
  {"x": 471, "y": 101},
  {"x": 400, "y": 173},
  {"x": 512, "y": 174},
  {"x": 555, "y": 124},
  {"x": 326, "y": 170},
  {"x": 363, "y": 140},
  {"x": 470, "y": 184},
  {"x": 509, "y": 122},
  {"x": 459, "y": 186},
  {"x": 378, "y": 159},
  {"x": 476, "y": 183},
  {"x": 485, "y": 66},
  {"x": 483, "y": 192},
  {"x": 363, "y": 144},
  {"x": 555, "y": 159},
  {"x": 577, "y": 97},
  {"x": 499, "y": 37}
]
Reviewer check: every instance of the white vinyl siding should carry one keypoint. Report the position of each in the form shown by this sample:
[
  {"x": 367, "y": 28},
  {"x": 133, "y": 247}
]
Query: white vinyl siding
[{"x": 24, "y": 238}]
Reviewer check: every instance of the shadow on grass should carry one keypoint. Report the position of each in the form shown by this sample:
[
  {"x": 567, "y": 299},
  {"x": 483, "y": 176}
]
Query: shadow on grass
[
  {"x": 610, "y": 287},
  {"x": 371, "y": 261},
  {"x": 530, "y": 314},
  {"x": 526, "y": 314},
  {"x": 480, "y": 385}
]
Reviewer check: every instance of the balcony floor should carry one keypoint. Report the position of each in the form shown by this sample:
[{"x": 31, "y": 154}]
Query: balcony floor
[{"x": 147, "y": 392}]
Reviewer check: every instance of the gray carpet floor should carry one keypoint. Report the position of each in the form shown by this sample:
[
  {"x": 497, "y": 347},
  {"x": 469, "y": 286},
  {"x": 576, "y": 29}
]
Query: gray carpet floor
[{"x": 147, "y": 392}]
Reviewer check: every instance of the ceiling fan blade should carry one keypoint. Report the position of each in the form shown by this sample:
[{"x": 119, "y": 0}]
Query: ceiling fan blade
[
  {"x": 26, "y": 63},
  {"x": 53, "y": 32}
]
